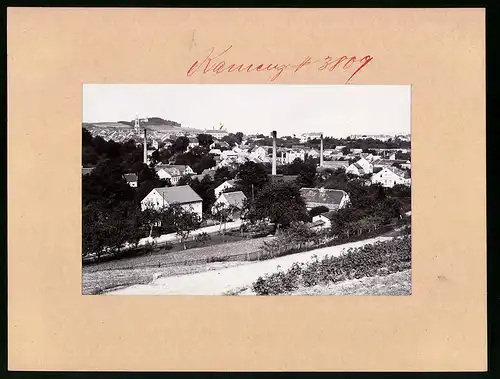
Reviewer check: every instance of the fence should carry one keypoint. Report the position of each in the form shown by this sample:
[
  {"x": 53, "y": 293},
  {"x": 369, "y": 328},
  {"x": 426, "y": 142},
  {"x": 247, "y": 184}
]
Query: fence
[{"x": 260, "y": 254}]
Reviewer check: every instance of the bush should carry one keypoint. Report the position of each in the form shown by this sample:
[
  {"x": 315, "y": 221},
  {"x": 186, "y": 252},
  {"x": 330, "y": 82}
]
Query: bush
[
  {"x": 218, "y": 259},
  {"x": 367, "y": 260},
  {"x": 203, "y": 238}
]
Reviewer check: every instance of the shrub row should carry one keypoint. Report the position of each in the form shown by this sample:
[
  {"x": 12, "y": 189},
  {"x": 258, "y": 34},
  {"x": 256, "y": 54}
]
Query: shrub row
[{"x": 368, "y": 260}]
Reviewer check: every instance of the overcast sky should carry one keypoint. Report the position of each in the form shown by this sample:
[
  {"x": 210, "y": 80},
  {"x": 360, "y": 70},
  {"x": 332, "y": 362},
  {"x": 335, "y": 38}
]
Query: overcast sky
[{"x": 337, "y": 110}]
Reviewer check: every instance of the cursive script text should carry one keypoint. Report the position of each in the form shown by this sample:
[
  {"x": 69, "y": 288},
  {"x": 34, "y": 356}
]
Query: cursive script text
[{"x": 217, "y": 64}]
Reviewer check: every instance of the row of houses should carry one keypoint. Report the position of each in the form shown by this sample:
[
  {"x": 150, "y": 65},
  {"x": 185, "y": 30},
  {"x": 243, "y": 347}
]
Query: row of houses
[
  {"x": 188, "y": 199},
  {"x": 382, "y": 171}
]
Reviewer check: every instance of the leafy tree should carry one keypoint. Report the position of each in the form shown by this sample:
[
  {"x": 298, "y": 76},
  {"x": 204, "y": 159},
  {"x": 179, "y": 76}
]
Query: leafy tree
[
  {"x": 184, "y": 222},
  {"x": 251, "y": 173},
  {"x": 93, "y": 233},
  {"x": 106, "y": 185},
  {"x": 223, "y": 213},
  {"x": 205, "y": 140},
  {"x": 281, "y": 203},
  {"x": 86, "y": 138},
  {"x": 205, "y": 189},
  {"x": 185, "y": 180},
  {"x": 180, "y": 145},
  {"x": 222, "y": 174},
  {"x": 151, "y": 217}
]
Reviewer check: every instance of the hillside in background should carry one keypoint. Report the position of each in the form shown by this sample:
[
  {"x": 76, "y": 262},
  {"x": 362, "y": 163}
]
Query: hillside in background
[{"x": 154, "y": 121}]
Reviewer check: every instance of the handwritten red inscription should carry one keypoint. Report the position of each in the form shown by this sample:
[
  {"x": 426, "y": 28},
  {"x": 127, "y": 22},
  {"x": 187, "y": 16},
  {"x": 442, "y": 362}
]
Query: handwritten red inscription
[{"x": 217, "y": 65}]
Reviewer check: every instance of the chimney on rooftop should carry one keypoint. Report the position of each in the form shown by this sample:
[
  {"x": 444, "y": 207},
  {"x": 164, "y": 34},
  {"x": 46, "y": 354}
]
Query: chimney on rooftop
[
  {"x": 145, "y": 148},
  {"x": 321, "y": 151},
  {"x": 273, "y": 134}
]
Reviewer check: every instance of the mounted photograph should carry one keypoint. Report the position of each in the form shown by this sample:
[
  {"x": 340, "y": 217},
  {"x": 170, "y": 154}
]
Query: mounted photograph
[{"x": 246, "y": 190}]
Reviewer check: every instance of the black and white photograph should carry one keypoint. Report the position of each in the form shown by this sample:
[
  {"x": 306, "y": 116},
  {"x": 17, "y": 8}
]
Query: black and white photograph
[{"x": 246, "y": 190}]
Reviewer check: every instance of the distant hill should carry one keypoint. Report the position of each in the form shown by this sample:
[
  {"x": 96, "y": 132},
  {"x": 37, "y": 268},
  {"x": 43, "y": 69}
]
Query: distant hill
[{"x": 153, "y": 121}]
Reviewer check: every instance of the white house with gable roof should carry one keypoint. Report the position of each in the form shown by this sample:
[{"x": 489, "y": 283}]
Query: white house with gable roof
[{"x": 163, "y": 197}]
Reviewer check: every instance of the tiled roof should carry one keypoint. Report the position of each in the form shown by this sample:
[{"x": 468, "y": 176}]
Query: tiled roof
[
  {"x": 179, "y": 194},
  {"x": 322, "y": 196},
  {"x": 180, "y": 167},
  {"x": 169, "y": 169},
  {"x": 284, "y": 178},
  {"x": 235, "y": 198},
  {"x": 399, "y": 172},
  {"x": 329, "y": 215},
  {"x": 335, "y": 164}
]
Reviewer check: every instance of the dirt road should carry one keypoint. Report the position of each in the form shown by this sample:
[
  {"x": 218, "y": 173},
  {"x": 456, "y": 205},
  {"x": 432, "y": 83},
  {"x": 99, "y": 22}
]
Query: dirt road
[
  {"x": 222, "y": 281},
  {"x": 174, "y": 237}
]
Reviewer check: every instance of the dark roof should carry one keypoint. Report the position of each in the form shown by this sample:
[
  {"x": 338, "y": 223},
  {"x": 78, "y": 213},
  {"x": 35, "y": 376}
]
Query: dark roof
[
  {"x": 331, "y": 197},
  {"x": 388, "y": 162},
  {"x": 329, "y": 215},
  {"x": 179, "y": 194},
  {"x": 284, "y": 178},
  {"x": 130, "y": 177}
]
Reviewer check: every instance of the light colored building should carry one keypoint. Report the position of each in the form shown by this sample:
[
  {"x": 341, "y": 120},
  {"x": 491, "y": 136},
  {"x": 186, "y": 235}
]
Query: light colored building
[
  {"x": 131, "y": 180},
  {"x": 226, "y": 199},
  {"x": 361, "y": 167},
  {"x": 291, "y": 155},
  {"x": 304, "y": 137},
  {"x": 215, "y": 152},
  {"x": 228, "y": 154},
  {"x": 259, "y": 152},
  {"x": 334, "y": 165},
  {"x": 218, "y": 134},
  {"x": 331, "y": 198},
  {"x": 163, "y": 197},
  {"x": 390, "y": 176},
  {"x": 173, "y": 172},
  {"x": 322, "y": 221},
  {"x": 184, "y": 169},
  {"x": 224, "y": 186},
  {"x": 168, "y": 172},
  {"x": 313, "y": 153}
]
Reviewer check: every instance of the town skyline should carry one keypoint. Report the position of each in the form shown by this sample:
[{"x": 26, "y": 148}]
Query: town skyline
[{"x": 336, "y": 111}]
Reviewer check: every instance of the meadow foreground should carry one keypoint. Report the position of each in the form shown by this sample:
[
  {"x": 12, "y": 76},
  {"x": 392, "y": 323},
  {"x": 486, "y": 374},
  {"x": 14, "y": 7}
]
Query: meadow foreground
[{"x": 230, "y": 280}]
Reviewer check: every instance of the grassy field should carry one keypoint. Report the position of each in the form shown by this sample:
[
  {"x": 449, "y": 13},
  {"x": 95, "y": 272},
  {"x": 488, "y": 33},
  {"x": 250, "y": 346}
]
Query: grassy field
[
  {"x": 97, "y": 282},
  {"x": 97, "y": 278},
  {"x": 166, "y": 257}
]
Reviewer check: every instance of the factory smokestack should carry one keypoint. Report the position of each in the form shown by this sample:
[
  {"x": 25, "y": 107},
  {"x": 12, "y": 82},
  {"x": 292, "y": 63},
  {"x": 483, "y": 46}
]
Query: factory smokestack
[
  {"x": 145, "y": 144},
  {"x": 321, "y": 151},
  {"x": 273, "y": 134}
]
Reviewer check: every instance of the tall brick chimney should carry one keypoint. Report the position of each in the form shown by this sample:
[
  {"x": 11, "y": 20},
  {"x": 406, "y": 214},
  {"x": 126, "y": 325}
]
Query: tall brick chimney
[
  {"x": 273, "y": 134},
  {"x": 145, "y": 144},
  {"x": 321, "y": 152}
]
